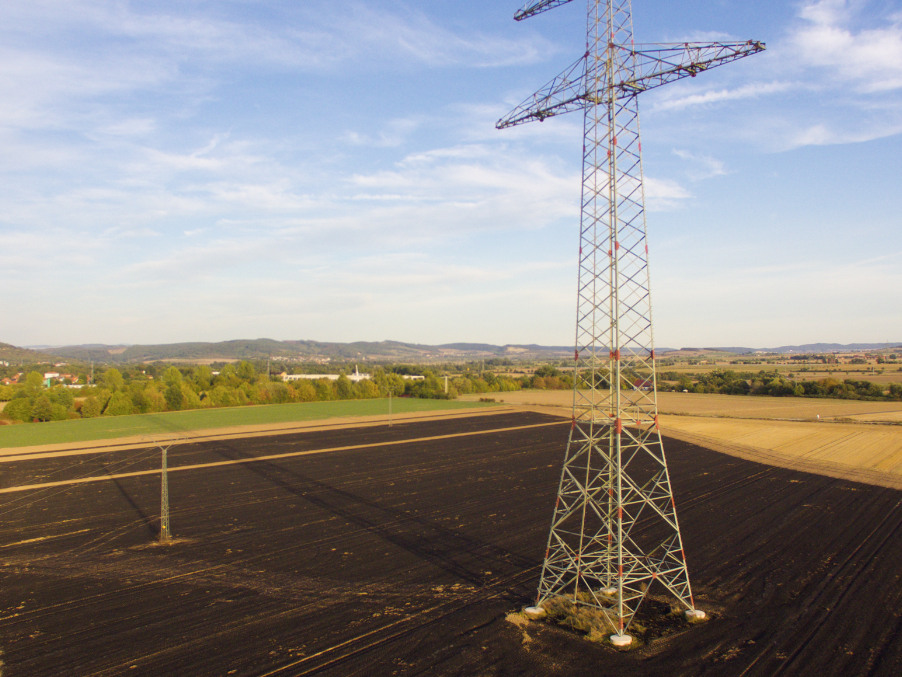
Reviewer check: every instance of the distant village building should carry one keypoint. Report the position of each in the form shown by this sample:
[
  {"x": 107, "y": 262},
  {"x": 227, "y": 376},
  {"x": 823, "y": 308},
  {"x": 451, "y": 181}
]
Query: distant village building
[
  {"x": 355, "y": 377},
  {"x": 51, "y": 376},
  {"x": 308, "y": 377}
]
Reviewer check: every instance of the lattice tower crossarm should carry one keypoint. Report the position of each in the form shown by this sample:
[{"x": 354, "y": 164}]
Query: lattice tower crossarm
[{"x": 614, "y": 530}]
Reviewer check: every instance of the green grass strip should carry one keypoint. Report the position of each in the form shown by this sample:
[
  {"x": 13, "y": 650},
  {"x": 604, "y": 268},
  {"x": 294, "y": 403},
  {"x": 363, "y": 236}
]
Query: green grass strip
[{"x": 109, "y": 427}]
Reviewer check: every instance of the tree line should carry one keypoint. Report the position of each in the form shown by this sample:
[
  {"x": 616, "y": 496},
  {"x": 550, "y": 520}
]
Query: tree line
[
  {"x": 729, "y": 382},
  {"x": 180, "y": 388},
  {"x": 174, "y": 388}
]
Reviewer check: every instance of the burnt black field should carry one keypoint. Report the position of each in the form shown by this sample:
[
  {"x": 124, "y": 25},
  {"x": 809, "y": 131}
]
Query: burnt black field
[{"x": 402, "y": 557}]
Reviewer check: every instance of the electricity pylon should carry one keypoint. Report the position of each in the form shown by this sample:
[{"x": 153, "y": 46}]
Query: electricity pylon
[
  {"x": 164, "y": 446},
  {"x": 614, "y": 531}
]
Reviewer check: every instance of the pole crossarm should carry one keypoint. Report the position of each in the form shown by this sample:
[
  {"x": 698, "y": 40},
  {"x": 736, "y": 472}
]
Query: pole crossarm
[
  {"x": 658, "y": 65},
  {"x": 648, "y": 67},
  {"x": 564, "y": 94},
  {"x": 537, "y": 7}
]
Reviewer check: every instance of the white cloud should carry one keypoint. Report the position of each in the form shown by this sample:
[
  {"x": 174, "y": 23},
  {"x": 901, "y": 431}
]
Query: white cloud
[
  {"x": 869, "y": 58},
  {"x": 701, "y": 166},
  {"x": 393, "y": 134},
  {"x": 470, "y": 187},
  {"x": 664, "y": 194},
  {"x": 410, "y": 33},
  {"x": 750, "y": 91},
  {"x": 825, "y": 134}
]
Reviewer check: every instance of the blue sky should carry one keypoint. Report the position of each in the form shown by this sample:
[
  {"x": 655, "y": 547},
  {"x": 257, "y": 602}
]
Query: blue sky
[{"x": 329, "y": 169}]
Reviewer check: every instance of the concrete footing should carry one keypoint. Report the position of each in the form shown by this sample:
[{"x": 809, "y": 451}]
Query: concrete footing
[
  {"x": 621, "y": 640},
  {"x": 534, "y": 612},
  {"x": 695, "y": 615}
]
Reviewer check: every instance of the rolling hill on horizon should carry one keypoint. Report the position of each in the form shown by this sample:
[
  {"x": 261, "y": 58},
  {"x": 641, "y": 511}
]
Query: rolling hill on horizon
[{"x": 375, "y": 351}]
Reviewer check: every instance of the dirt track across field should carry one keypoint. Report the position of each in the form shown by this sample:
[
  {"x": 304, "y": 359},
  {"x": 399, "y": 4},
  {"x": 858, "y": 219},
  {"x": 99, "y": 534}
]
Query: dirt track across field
[{"x": 401, "y": 550}]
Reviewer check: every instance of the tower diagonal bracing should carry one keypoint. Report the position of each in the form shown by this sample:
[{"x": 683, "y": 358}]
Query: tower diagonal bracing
[{"x": 614, "y": 532}]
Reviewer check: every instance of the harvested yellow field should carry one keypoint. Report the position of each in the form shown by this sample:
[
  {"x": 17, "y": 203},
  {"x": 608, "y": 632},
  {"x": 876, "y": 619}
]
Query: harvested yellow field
[
  {"x": 795, "y": 408},
  {"x": 882, "y": 378},
  {"x": 733, "y": 406},
  {"x": 869, "y": 453},
  {"x": 880, "y": 417},
  {"x": 854, "y": 440}
]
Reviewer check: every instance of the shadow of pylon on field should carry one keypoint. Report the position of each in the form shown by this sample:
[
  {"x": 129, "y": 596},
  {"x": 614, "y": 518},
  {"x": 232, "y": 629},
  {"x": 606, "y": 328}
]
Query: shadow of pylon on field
[
  {"x": 467, "y": 558},
  {"x": 151, "y": 522}
]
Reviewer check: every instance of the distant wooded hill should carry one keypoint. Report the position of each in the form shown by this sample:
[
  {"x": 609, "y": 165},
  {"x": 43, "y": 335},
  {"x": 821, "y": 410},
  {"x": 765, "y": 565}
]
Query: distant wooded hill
[
  {"x": 10, "y": 353},
  {"x": 385, "y": 351},
  {"x": 375, "y": 351}
]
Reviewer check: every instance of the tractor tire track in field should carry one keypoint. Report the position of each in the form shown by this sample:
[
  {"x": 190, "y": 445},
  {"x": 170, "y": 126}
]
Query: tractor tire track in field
[{"x": 402, "y": 555}]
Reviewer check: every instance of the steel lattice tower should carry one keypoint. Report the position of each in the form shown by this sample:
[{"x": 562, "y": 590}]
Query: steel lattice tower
[
  {"x": 165, "y": 530},
  {"x": 164, "y": 446},
  {"x": 614, "y": 529}
]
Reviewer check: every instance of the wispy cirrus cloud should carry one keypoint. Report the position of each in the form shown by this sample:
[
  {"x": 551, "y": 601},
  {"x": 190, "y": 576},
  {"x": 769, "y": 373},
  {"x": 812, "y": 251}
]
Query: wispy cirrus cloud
[
  {"x": 750, "y": 91},
  {"x": 701, "y": 166}
]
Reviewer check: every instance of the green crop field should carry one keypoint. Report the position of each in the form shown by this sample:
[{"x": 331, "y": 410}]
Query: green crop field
[{"x": 83, "y": 430}]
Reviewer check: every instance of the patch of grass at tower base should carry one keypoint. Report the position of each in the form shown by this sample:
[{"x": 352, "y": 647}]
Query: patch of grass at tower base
[
  {"x": 110, "y": 427},
  {"x": 654, "y": 618}
]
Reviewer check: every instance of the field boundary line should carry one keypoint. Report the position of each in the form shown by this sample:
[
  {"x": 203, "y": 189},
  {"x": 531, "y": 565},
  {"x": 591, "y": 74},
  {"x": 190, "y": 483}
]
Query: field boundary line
[
  {"x": 257, "y": 459},
  {"x": 246, "y": 431}
]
